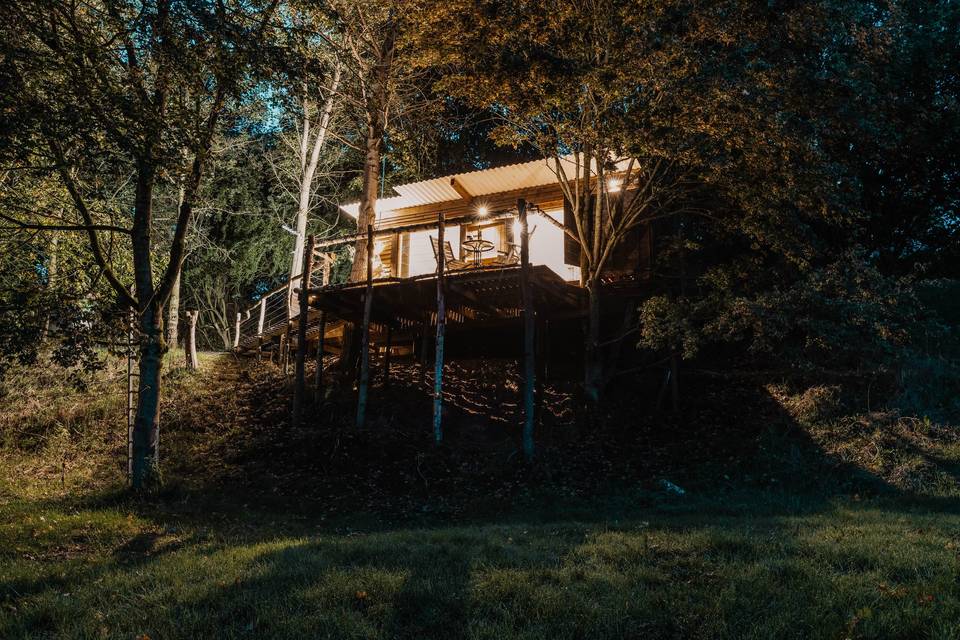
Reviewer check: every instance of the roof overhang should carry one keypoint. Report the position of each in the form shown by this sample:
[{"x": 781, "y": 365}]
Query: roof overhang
[{"x": 476, "y": 184}]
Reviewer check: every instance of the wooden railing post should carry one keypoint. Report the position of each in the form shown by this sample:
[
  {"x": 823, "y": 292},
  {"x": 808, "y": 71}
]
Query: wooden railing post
[
  {"x": 441, "y": 331},
  {"x": 300, "y": 386},
  {"x": 365, "y": 335},
  {"x": 386, "y": 357},
  {"x": 529, "y": 364},
  {"x": 263, "y": 315},
  {"x": 320, "y": 348},
  {"x": 190, "y": 346}
]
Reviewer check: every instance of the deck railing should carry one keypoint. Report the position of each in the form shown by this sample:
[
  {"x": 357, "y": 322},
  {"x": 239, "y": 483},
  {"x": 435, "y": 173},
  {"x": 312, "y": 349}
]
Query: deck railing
[
  {"x": 272, "y": 314},
  {"x": 277, "y": 310}
]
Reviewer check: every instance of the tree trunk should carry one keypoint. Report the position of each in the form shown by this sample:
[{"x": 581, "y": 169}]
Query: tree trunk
[
  {"x": 173, "y": 306},
  {"x": 529, "y": 355},
  {"x": 190, "y": 344},
  {"x": 377, "y": 106},
  {"x": 309, "y": 160},
  {"x": 173, "y": 314},
  {"x": 368, "y": 198},
  {"x": 363, "y": 386},
  {"x": 300, "y": 384},
  {"x": 441, "y": 335},
  {"x": 52, "y": 268},
  {"x": 593, "y": 364},
  {"x": 146, "y": 425}
]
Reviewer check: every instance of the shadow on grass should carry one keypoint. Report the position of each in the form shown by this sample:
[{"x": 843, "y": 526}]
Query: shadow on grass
[
  {"x": 774, "y": 537},
  {"x": 734, "y": 448},
  {"x": 664, "y": 574}
]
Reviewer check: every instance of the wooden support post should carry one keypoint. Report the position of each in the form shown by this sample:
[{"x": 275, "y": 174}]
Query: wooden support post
[
  {"x": 300, "y": 384},
  {"x": 529, "y": 364},
  {"x": 424, "y": 347},
  {"x": 386, "y": 357},
  {"x": 280, "y": 351},
  {"x": 441, "y": 330},
  {"x": 190, "y": 348},
  {"x": 365, "y": 335},
  {"x": 236, "y": 331},
  {"x": 318, "y": 383},
  {"x": 541, "y": 368},
  {"x": 288, "y": 344},
  {"x": 263, "y": 315},
  {"x": 132, "y": 389},
  {"x": 675, "y": 382}
]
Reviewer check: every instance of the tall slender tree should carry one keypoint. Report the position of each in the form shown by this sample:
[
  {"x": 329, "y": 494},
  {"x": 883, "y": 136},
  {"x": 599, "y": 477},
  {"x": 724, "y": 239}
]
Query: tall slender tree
[{"x": 149, "y": 85}]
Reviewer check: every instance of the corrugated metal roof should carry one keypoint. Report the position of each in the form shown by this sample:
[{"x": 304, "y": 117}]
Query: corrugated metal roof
[{"x": 524, "y": 175}]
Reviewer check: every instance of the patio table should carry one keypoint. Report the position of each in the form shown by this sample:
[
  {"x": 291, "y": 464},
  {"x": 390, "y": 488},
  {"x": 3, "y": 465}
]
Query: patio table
[{"x": 477, "y": 247}]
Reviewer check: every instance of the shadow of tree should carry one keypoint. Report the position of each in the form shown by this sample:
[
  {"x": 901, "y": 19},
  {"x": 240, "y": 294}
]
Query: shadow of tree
[
  {"x": 679, "y": 574},
  {"x": 775, "y": 537}
]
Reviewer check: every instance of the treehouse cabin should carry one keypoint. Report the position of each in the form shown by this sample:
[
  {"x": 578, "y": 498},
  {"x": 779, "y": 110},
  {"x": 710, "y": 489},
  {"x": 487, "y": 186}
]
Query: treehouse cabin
[
  {"x": 482, "y": 227},
  {"x": 481, "y": 214}
]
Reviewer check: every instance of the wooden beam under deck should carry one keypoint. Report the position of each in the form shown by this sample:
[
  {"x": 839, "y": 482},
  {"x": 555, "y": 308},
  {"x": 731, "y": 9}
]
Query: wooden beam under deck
[{"x": 476, "y": 298}]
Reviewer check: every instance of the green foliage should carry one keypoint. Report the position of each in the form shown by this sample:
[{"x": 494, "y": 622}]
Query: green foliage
[
  {"x": 240, "y": 250},
  {"x": 51, "y": 308},
  {"x": 813, "y": 142},
  {"x": 844, "y": 315}
]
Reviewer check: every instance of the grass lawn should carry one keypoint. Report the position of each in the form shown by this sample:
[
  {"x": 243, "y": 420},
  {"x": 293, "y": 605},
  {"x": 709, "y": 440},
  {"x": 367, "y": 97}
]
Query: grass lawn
[
  {"x": 730, "y": 558},
  {"x": 688, "y": 571}
]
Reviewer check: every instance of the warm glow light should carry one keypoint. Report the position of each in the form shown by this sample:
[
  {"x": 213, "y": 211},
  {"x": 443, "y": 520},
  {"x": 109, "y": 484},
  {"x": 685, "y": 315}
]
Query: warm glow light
[
  {"x": 482, "y": 210},
  {"x": 516, "y": 230},
  {"x": 614, "y": 185}
]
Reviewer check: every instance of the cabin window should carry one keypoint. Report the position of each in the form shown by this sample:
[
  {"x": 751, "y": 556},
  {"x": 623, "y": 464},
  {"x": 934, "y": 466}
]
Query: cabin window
[
  {"x": 416, "y": 252},
  {"x": 495, "y": 232}
]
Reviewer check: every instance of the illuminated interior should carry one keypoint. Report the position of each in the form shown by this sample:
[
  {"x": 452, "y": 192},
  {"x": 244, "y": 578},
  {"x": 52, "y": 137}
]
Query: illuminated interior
[
  {"x": 418, "y": 258},
  {"x": 494, "y": 232},
  {"x": 546, "y": 245}
]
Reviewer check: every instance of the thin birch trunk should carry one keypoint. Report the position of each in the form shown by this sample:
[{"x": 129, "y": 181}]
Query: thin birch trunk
[
  {"x": 173, "y": 307},
  {"x": 309, "y": 161},
  {"x": 173, "y": 314},
  {"x": 52, "y": 269}
]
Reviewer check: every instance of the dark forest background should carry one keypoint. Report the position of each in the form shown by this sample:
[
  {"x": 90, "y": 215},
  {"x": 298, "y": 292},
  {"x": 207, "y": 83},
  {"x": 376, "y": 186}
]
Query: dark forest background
[{"x": 816, "y": 142}]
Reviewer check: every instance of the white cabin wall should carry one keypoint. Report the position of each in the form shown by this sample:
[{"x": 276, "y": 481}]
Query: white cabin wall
[
  {"x": 421, "y": 258},
  {"x": 546, "y": 245}
]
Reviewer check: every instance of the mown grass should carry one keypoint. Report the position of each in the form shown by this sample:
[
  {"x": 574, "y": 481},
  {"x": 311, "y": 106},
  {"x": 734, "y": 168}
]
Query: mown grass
[
  {"x": 731, "y": 559},
  {"x": 693, "y": 571}
]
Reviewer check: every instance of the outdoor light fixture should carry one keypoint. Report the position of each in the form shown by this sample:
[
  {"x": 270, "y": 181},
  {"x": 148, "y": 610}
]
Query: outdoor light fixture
[
  {"x": 482, "y": 211},
  {"x": 614, "y": 185},
  {"x": 517, "y": 229}
]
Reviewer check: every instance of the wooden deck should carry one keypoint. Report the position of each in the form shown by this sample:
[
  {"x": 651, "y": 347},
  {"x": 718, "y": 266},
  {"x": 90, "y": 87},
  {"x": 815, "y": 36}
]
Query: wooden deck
[{"x": 477, "y": 297}]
